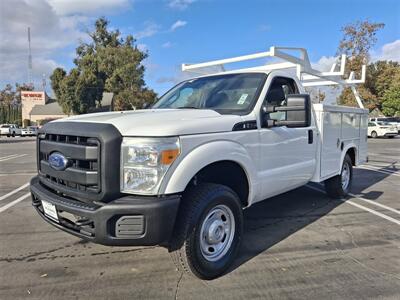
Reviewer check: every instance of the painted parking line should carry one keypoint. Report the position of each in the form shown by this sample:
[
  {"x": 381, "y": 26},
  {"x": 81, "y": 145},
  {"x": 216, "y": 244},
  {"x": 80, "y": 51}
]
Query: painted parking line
[
  {"x": 14, "y": 191},
  {"x": 12, "y": 157},
  {"x": 8, "y": 156},
  {"x": 384, "y": 168},
  {"x": 18, "y": 174},
  {"x": 376, "y": 203},
  {"x": 379, "y": 170},
  {"x": 12, "y": 203},
  {"x": 374, "y": 212}
]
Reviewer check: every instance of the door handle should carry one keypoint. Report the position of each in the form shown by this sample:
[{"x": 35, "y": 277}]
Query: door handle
[{"x": 310, "y": 136}]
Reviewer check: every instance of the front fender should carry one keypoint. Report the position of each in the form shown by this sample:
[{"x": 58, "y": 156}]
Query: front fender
[{"x": 206, "y": 154}]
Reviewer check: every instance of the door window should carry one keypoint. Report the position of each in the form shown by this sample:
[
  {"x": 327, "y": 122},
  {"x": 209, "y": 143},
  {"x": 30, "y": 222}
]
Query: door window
[{"x": 277, "y": 94}]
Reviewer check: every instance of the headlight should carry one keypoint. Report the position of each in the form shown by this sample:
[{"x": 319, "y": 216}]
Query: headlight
[{"x": 145, "y": 161}]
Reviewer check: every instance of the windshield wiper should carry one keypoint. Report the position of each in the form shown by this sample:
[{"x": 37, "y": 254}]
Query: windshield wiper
[{"x": 187, "y": 107}]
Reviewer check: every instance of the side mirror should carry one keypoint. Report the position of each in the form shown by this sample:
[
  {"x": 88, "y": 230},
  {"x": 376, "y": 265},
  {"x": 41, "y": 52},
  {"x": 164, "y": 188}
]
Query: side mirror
[{"x": 298, "y": 112}]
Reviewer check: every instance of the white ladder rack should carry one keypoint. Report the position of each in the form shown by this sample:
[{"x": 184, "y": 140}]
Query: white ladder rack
[{"x": 307, "y": 75}]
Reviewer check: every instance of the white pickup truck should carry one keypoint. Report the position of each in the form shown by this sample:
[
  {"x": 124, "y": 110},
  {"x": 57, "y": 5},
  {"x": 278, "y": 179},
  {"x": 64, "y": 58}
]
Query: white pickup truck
[
  {"x": 180, "y": 174},
  {"x": 10, "y": 130}
]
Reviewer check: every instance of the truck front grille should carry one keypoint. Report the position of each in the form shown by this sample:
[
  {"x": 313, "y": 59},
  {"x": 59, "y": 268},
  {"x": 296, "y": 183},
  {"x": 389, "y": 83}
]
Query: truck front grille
[{"x": 83, "y": 172}]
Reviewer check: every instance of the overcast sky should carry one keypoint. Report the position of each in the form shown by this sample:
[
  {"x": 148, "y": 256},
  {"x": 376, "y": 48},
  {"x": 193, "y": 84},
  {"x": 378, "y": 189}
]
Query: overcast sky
[{"x": 177, "y": 31}]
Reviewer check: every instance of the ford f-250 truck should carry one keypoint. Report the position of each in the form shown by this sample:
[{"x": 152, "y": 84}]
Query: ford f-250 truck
[{"x": 180, "y": 174}]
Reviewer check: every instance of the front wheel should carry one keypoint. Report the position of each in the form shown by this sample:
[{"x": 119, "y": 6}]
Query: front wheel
[
  {"x": 208, "y": 230},
  {"x": 339, "y": 186},
  {"x": 374, "y": 134}
]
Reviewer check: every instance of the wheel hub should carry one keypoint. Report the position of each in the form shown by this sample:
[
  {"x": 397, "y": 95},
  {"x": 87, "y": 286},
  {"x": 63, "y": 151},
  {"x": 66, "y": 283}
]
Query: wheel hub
[
  {"x": 217, "y": 232},
  {"x": 345, "y": 176}
]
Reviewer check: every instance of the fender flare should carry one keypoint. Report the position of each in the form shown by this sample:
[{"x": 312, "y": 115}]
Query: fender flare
[
  {"x": 344, "y": 152},
  {"x": 204, "y": 155}
]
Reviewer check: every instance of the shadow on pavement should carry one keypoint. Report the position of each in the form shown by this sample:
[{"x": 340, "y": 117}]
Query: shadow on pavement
[
  {"x": 273, "y": 220},
  {"x": 12, "y": 140}
]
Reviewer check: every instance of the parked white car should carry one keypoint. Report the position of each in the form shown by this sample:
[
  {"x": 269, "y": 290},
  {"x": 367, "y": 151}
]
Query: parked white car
[
  {"x": 391, "y": 120},
  {"x": 29, "y": 131},
  {"x": 180, "y": 174},
  {"x": 10, "y": 130},
  {"x": 381, "y": 129}
]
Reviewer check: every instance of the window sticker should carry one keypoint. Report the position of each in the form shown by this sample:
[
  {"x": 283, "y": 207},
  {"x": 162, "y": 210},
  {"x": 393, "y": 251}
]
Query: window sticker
[{"x": 242, "y": 99}]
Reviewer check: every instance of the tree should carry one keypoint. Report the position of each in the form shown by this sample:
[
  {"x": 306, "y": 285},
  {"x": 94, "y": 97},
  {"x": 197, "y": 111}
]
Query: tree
[
  {"x": 10, "y": 103},
  {"x": 56, "y": 81},
  {"x": 68, "y": 99},
  {"x": 391, "y": 104},
  {"x": 358, "y": 39},
  {"x": 7, "y": 95},
  {"x": 107, "y": 63},
  {"x": 381, "y": 76}
]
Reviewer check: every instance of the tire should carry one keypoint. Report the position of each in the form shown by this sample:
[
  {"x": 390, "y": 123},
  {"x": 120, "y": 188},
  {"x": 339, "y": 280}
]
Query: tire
[
  {"x": 391, "y": 136},
  {"x": 337, "y": 188},
  {"x": 207, "y": 205},
  {"x": 374, "y": 134}
]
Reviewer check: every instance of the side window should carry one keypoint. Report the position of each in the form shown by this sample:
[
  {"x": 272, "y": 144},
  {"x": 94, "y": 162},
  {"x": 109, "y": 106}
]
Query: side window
[
  {"x": 278, "y": 91},
  {"x": 180, "y": 99}
]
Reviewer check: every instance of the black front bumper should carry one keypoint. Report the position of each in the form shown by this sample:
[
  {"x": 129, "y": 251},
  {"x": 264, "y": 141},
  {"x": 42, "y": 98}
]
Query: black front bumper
[{"x": 126, "y": 221}]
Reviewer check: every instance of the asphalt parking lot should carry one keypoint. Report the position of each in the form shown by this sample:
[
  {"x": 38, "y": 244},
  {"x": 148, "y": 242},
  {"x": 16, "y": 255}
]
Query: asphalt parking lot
[{"x": 298, "y": 245}]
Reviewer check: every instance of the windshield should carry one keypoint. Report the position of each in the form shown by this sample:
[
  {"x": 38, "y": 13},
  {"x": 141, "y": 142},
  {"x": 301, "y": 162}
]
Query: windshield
[{"x": 231, "y": 93}]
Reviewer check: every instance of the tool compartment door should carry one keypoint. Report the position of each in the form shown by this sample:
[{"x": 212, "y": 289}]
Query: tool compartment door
[{"x": 330, "y": 151}]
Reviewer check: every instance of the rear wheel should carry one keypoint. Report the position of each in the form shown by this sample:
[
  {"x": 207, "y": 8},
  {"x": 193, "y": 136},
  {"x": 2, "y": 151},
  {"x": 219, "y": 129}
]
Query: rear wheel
[
  {"x": 208, "y": 231},
  {"x": 339, "y": 186},
  {"x": 374, "y": 134}
]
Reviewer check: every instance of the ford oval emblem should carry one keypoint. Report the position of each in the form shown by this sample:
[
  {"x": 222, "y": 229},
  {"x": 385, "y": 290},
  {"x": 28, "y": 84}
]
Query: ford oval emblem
[{"x": 58, "y": 161}]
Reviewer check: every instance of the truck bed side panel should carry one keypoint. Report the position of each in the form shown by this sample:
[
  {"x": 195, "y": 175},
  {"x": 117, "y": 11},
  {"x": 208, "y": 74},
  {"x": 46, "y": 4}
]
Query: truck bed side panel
[{"x": 330, "y": 152}]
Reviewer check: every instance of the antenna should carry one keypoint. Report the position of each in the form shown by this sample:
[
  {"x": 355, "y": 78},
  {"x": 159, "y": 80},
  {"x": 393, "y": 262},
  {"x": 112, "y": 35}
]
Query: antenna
[
  {"x": 29, "y": 58},
  {"x": 44, "y": 82}
]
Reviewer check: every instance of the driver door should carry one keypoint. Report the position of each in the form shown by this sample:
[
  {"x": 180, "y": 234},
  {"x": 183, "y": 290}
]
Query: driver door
[{"x": 287, "y": 154}]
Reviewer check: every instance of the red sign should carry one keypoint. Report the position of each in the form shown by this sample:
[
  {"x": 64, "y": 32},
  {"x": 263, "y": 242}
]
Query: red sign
[{"x": 33, "y": 96}]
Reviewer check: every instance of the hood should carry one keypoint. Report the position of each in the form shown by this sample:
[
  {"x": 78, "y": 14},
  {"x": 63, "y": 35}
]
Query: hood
[{"x": 162, "y": 122}]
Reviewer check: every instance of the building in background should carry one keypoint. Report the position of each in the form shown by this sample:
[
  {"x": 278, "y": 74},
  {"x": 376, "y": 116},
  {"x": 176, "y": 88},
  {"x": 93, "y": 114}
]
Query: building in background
[
  {"x": 49, "y": 111},
  {"x": 39, "y": 108}
]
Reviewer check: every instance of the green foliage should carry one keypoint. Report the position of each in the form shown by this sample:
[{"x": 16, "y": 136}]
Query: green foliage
[
  {"x": 391, "y": 103},
  {"x": 108, "y": 63},
  {"x": 10, "y": 103},
  {"x": 56, "y": 81},
  {"x": 381, "y": 75},
  {"x": 10, "y": 114}
]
